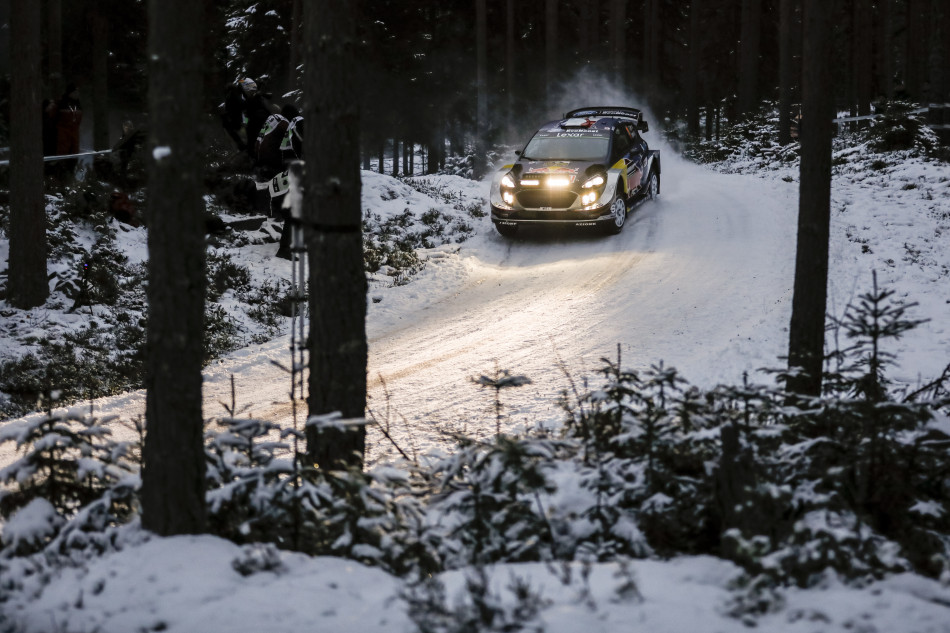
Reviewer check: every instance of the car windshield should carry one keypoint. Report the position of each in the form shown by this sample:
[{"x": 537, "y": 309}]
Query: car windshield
[{"x": 592, "y": 148}]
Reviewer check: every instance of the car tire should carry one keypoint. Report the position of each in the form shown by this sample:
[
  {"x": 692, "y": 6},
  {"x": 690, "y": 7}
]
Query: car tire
[
  {"x": 653, "y": 186},
  {"x": 507, "y": 230},
  {"x": 619, "y": 207}
]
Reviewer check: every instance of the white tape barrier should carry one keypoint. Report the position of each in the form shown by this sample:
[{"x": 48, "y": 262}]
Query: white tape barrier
[
  {"x": 867, "y": 117},
  {"x": 47, "y": 159}
]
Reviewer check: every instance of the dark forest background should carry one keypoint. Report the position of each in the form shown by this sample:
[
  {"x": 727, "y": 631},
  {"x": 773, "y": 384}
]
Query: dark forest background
[{"x": 693, "y": 63}]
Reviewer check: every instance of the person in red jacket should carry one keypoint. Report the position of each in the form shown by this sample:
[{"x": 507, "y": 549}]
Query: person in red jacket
[{"x": 68, "y": 117}]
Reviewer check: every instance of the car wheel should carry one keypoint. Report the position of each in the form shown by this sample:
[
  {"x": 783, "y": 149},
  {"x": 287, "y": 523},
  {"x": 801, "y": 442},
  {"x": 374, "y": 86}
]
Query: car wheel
[
  {"x": 653, "y": 186},
  {"x": 507, "y": 229},
  {"x": 619, "y": 209}
]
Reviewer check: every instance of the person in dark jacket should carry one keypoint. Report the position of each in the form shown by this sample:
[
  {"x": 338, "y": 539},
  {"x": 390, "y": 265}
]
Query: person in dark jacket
[
  {"x": 269, "y": 157},
  {"x": 245, "y": 106},
  {"x": 271, "y": 161}
]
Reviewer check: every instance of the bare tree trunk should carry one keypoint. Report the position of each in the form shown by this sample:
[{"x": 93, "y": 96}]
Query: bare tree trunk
[
  {"x": 332, "y": 216},
  {"x": 481, "y": 80},
  {"x": 650, "y": 44},
  {"x": 100, "y": 77},
  {"x": 863, "y": 58},
  {"x": 915, "y": 63},
  {"x": 27, "y": 285},
  {"x": 618, "y": 43},
  {"x": 173, "y": 477},
  {"x": 786, "y": 78},
  {"x": 807, "y": 329},
  {"x": 747, "y": 100},
  {"x": 55, "y": 47},
  {"x": 510, "y": 71},
  {"x": 296, "y": 15},
  {"x": 395, "y": 157},
  {"x": 550, "y": 50},
  {"x": 886, "y": 38},
  {"x": 692, "y": 77}
]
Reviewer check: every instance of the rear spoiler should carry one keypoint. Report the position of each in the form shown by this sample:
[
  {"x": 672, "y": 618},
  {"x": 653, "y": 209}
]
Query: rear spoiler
[{"x": 611, "y": 111}]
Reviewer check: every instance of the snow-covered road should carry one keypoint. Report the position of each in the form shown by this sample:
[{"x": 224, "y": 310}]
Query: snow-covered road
[{"x": 700, "y": 279}]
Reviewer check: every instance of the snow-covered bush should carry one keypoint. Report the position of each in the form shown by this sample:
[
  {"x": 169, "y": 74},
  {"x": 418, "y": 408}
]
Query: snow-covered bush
[
  {"x": 643, "y": 452},
  {"x": 84, "y": 479},
  {"x": 487, "y": 498}
]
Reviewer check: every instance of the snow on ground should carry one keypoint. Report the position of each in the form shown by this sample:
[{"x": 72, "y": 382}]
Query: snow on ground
[
  {"x": 701, "y": 280},
  {"x": 187, "y": 584}
]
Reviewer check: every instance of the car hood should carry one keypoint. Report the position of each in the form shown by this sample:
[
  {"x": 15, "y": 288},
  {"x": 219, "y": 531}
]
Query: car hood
[{"x": 576, "y": 170}]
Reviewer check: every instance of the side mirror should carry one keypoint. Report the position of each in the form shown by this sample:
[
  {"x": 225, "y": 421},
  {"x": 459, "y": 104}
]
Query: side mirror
[{"x": 642, "y": 126}]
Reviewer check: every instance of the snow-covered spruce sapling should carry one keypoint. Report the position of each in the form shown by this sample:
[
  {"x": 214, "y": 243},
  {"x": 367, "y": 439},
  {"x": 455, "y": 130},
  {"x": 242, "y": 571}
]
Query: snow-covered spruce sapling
[
  {"x": 71, "y": 462},
  {"x": 642, "y": 463},
  {"x": 478, "y": 608},
  {"x": 499, "y": 380},
  {"x": 488, "y": 499},
  {"x": 860, "y": 472}
]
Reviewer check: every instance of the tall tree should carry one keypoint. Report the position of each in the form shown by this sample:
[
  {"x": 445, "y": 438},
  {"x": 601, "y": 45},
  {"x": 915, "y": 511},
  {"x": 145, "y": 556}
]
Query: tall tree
[
  {"x": 332, "y": 215},
  {"x": 786, "y": 78},
  {"x": 917, "y": 50},
  {"x": 863, "y": 56},
  {"x": 100, "y": 75},
  {"x": 509, "y": 70},
  {"x": 886, "y": 45},
  {"x": 618, "y": 41},
  {"x": 54, "y": 39},
  {"x": 651, "y": 45},
  {"x": 296, "y": 16},
  {"x": 749, "y": 56},
  {"x": 173, "y": 476},
  {"x": 550, "y": 51},
  {"x": 26, "y": 272},
  {"x": 481, "y": 89},
  {"x": 807, "y": 329},
  {"x": 693, "y": 96}
]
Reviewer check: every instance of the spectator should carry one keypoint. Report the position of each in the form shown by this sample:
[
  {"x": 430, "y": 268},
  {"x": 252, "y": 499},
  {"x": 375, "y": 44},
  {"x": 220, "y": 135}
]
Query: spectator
[{"x": 68, "y": 116}]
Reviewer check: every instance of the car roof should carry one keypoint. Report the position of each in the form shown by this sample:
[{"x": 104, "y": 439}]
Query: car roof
[{"x": 593, "y": 121}]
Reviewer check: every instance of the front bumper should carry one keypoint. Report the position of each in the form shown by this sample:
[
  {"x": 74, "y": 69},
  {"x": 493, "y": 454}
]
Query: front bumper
[
  {"x": 587, "y": 217},
  {"x": 577, "y": 215}
]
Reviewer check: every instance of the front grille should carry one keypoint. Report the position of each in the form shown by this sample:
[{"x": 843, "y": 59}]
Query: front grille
[{"x": 554, "y": 199}]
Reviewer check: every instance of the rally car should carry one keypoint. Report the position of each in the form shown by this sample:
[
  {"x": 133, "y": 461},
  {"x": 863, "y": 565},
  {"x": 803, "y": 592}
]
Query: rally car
[{"x": 590, "y": 168}]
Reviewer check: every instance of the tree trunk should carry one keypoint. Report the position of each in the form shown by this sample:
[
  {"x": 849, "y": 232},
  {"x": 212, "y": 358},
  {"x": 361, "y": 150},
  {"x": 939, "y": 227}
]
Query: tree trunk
[
  {"x": 173, "y": 476},
  {"x": 27, "y": 285},
  {"x": 806, "y": 332},
  {"x": 886, "y": 38},
  {"x": 332, "y": 216},
  {"x": 100, "y": 77},
  {"x": 55, "y": 47},
  {"x": 863, "y": 58},
  {"x": 395, "y": 157},
  {"x": 915, "y": 63},
  {"x": 618, "y": 42},
  {"x": 692, "y": 76},
  {"x": 296, "y": 15},
  {"x": 786, "y": 78},
  {"x": 510, "y": 78},
  {"x": 650, "y": 44},
  {"x": 747, "y": 101},
  {"x": 550, "y": 51},
  {"x": 481, "y": 86}
]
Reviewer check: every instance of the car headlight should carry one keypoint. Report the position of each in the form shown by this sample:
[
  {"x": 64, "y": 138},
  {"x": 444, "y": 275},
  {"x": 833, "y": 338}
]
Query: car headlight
[
  {"x": 596, "y": 181},
  {"x": 591, "y": 190},
  {"x": 508, "y": 197},
  {"x": 507, "y": 182}
]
